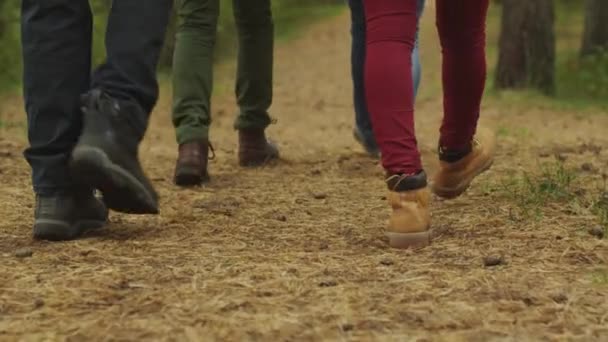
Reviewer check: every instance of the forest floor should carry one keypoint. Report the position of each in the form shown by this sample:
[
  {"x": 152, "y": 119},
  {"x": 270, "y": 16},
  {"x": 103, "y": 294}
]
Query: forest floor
[{"x": 296, "y": 251}]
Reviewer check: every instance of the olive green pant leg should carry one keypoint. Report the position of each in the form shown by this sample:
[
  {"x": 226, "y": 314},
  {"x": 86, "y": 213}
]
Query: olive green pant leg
[
  {"x": 255, "y": 30},
  {"x": 193, "y": 68}
]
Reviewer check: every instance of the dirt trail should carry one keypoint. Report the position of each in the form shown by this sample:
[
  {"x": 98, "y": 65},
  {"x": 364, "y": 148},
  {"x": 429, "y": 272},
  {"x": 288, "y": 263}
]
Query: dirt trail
[{"x": 295, "y": 251}]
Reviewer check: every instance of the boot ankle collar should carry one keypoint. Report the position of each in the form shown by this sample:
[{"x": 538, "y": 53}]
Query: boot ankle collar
[
  {"x": 454, "y": 155},
  {"x": 405, "y": 182}
]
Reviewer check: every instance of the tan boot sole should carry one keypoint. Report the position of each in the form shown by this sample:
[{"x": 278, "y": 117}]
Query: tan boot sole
[
  {"x": 409, "y": 240},
  {"x": 453, "y": 192}
]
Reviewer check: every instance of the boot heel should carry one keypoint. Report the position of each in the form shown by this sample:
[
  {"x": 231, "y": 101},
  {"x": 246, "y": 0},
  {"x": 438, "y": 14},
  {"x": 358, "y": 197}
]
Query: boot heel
[
  {"x": 121, "y": 190},
  {"x": 409, "y": 240}
]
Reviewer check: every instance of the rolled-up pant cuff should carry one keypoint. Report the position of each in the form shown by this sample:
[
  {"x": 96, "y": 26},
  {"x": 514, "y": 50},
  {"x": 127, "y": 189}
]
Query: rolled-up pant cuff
[{"x": 189, "y": 134}]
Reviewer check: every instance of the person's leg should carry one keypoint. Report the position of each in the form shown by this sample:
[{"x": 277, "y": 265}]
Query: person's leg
[
  {"x": 363, "y": 127},
  {"x": 391, "y": 32},
  {"x": 416, "y": 64},
  {"x": 193, "y": 68},
  {"x": 461, "y": 30},
  {"x": 192, "y": 87},
  {"x": 416, "y": 68},
  {"x": 255, "y": 29},
  {"x": 56, "y": 38},
  {"x": 134, "y": 40},
  {"x": 116, "y": 110},
  {"x": 56, "y": 42}
]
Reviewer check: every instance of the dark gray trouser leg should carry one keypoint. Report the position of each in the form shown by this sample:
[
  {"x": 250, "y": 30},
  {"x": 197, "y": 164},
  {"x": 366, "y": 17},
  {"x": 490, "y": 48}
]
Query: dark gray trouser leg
[
  {"x": 134, "y": 40},
  {"x": 56, "y": 40}
]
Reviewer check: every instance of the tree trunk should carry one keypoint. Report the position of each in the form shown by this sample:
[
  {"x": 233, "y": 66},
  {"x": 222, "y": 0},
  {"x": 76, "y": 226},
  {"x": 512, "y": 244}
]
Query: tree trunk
[
  {"x": 527, "y": 46},
  {"x": 511, "y": 68},
  {"x": 595, "y": 36}
]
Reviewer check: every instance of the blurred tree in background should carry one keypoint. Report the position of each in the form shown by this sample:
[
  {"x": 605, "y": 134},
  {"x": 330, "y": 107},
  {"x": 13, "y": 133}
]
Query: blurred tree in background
[
  {"x": 527, "y": 45},
  {"x": 595, "y": 37},
  {"x": 559, "y": 47},
  {"x": 550, "y": 45}
]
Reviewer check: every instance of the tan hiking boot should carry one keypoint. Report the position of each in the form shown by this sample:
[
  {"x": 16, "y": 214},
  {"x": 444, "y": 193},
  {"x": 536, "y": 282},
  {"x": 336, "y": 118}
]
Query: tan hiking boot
[
  {"x": 410, "y": 221},
  {"x": 455, "y": 176}
]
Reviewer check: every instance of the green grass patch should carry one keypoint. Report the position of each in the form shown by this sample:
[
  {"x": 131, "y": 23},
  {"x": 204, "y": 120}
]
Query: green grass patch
[
  {"x": 599, "y": 206},
  {"x": 516, "y": 132},
  {"x": 600, "y": 277},
  {"x": 552, "y": 186},
  {"x": 532, "y": 192}
]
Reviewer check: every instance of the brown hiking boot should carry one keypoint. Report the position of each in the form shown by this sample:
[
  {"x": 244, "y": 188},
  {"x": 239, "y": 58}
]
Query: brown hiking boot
[
  {"x": 409, "y": 225},
  {"x": 191, "y": 166},
  {"x": 255, "y": 149},
  {"x": 457, "y": 170}
]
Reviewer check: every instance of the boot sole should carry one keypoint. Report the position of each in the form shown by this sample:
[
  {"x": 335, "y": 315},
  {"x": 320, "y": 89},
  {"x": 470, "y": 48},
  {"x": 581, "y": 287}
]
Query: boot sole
[
  {"x": 253, "y": 162},
  {"x": 189, "y": 176},
  {"x": 453, "y": 192},
  {"x": 121, "y": 191},
  {"x": 55, "y": 230},
  {"x": 409, "y": 240},
  {"x": 257, "y": 163}
]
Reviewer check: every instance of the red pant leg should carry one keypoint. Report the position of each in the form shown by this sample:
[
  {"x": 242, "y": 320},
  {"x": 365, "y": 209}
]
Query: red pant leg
[
  {"x": 461, "y": 26},
  {"x": 391, "y": 29}
]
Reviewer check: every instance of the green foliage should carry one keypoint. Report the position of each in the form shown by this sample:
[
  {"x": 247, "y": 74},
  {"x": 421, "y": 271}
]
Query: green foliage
[
  {"x": 289, "y": 16},
  {"x": 100, "y": 9},
  {"x": 584, "y": 78},
  {"x": 10, "y": 53}
]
